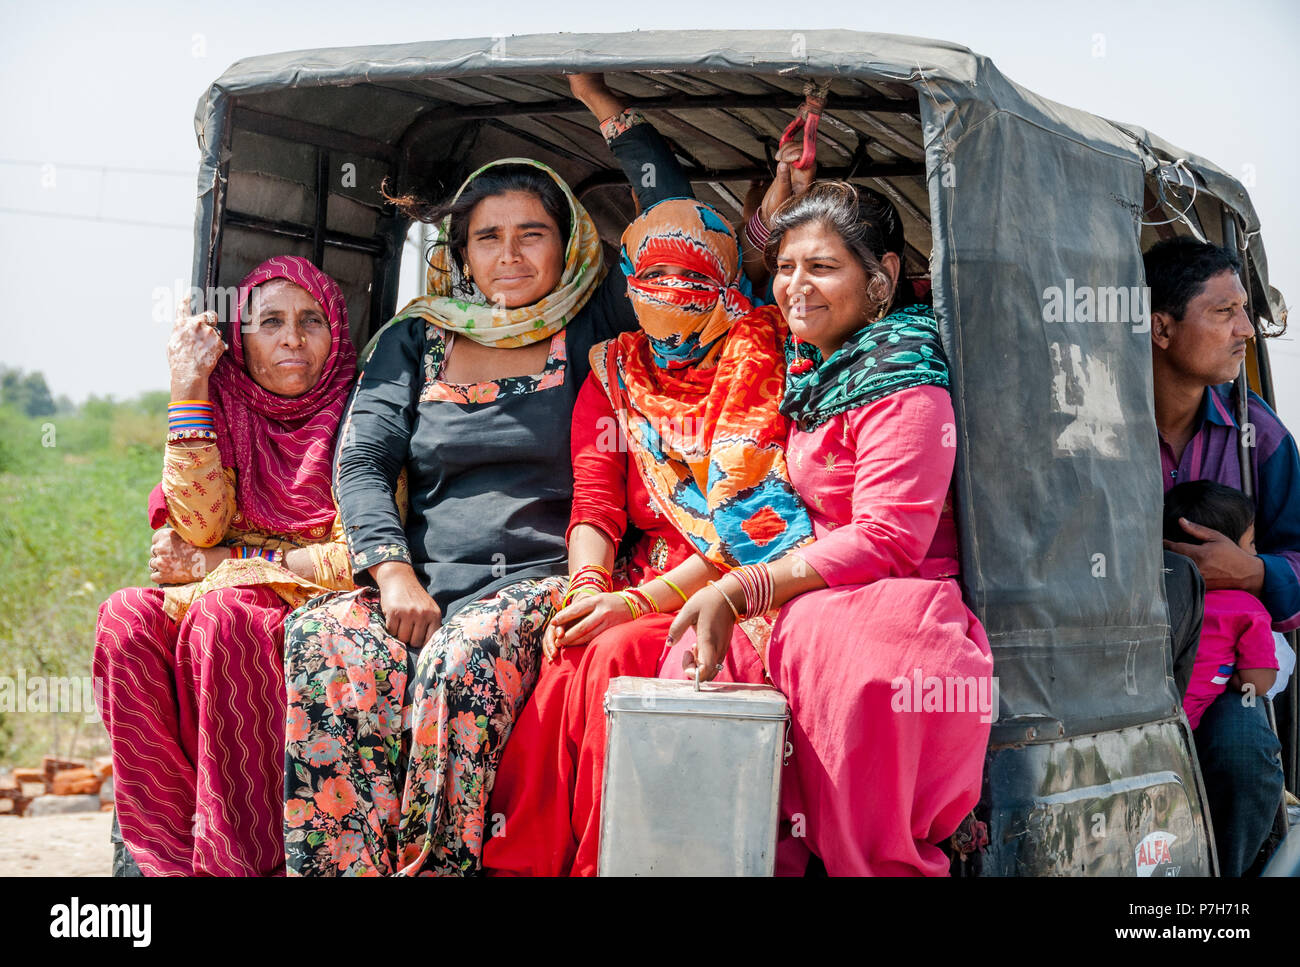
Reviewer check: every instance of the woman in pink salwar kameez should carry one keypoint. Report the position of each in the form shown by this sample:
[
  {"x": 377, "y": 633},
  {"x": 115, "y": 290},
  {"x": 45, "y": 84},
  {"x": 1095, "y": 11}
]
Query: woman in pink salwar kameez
[
  {"x": 887, "y": 672},
  {"x": 191, "y": 670}
]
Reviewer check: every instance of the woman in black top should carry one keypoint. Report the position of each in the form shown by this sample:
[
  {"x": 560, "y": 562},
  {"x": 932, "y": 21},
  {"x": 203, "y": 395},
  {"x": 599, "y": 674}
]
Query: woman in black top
[{"x": 402, "y": 694}]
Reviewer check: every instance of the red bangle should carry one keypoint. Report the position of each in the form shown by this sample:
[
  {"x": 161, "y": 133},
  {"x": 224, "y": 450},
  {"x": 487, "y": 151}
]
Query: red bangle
[{"x": 646, "y": 600}]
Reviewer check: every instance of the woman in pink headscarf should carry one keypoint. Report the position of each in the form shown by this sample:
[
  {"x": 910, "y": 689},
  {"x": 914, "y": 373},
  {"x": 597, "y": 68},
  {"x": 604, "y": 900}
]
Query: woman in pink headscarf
[{"x": 191, "y": 670}]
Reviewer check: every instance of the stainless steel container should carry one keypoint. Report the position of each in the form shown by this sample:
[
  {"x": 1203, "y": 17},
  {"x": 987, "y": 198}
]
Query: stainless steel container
[{"x": 692, "y": 778}]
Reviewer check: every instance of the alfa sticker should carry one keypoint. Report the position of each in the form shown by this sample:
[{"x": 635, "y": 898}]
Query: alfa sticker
[{"x": 1154, "y": 852}]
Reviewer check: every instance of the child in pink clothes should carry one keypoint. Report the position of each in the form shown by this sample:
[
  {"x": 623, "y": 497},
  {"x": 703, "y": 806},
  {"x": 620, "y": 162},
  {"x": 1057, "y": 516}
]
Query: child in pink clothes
[{"x": 1236, "y": 649}]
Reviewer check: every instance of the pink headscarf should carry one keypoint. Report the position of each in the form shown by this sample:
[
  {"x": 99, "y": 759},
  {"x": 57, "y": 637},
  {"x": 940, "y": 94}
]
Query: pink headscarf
[{"x": 282, "y": 447}]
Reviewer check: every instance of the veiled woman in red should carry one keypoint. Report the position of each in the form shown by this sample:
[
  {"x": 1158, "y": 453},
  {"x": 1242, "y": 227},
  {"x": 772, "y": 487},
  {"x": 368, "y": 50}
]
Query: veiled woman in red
[
  {"x": 191, "y": 670},
  {"x": 678, "y": 445}
]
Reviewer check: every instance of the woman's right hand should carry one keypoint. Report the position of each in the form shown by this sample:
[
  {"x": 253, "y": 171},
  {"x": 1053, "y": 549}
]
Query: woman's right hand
[
  {"x": 410, "y": 615},
  {"x": 192, "y": 352},
  {"x": 173, "y": 560},
  {"x": 583, "y": 620}
]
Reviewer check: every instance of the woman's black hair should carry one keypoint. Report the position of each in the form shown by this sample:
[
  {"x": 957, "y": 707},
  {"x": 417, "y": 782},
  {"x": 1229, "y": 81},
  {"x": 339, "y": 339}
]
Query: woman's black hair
[
  {"x": 1210, "y": 504},
  {"x": 865, "y": 220},
  {"x": 497, "y": 180}
]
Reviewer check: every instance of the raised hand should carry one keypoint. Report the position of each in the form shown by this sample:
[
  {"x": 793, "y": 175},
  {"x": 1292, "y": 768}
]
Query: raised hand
[
  {"x": 592, "y": 91},
  {"x": 192, "y": 352},
  {"x": 789, "y": 181}
]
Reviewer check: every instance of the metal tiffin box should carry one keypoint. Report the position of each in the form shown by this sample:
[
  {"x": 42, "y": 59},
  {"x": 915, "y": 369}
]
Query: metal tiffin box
[{"x": 692, "y": 778}]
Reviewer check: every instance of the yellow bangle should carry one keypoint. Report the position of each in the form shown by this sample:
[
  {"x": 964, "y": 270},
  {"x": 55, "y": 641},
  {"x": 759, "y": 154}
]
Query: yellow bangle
[
  {"x": 632, "y": 603},
  {"x": 578, "y": 592},
  {"x": 726, "y": 599},
  {"x": 679, "y": 591}
]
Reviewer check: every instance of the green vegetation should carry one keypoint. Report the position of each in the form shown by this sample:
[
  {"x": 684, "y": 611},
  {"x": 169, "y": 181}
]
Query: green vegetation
[
  {"x": 74, "y": 483},
  {"x": 25, "y": 392}
]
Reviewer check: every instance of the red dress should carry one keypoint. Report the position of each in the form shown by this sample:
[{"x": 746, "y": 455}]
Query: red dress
[{"x": 545, "y": 805}]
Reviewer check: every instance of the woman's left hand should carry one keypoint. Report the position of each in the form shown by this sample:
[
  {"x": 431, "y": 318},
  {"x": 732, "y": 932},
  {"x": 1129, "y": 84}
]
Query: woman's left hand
[
  {"x": 713, "y": 621},
  {"x": 583, "y": 620},
  {"x": 790, "y": 182},
  {"x": 173, "y": 560}
]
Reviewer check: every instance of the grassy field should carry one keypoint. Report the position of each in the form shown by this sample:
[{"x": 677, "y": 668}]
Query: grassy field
[{"x": 73, "y": 528}]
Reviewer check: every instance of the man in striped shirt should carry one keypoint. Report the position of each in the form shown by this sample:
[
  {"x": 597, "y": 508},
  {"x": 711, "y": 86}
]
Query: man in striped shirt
[{"x": 1199, "y": 336}]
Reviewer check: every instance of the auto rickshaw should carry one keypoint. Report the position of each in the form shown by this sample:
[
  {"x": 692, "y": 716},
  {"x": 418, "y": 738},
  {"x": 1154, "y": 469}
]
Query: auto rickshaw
[{"x": 1005, "y": 196}]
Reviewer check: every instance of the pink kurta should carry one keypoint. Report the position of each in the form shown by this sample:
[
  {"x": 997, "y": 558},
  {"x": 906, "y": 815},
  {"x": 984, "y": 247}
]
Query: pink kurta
[{"x": 885, "y": 668}]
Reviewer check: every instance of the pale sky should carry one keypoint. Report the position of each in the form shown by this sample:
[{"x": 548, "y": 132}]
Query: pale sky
[{"x": 93, "y": 90}]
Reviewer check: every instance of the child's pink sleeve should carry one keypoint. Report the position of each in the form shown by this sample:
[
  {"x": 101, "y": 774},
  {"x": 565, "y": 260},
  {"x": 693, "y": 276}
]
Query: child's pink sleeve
[{"x": 1255, "y": 646}]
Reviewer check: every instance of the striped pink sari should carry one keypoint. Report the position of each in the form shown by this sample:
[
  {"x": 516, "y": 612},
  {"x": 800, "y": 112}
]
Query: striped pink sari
[{"x": 196, "y": 710}]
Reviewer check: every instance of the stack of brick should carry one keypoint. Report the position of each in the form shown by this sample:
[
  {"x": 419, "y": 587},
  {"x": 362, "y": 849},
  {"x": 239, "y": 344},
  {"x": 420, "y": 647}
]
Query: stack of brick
[{"x": 59, "y": 786}]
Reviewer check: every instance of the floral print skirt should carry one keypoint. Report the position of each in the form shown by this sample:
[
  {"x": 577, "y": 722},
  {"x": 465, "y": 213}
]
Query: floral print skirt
[{"x": 390, "y": 753}]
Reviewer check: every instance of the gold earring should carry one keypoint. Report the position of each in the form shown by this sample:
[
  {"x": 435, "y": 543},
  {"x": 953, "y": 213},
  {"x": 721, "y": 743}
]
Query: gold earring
[{"x": 465, "y": 272}]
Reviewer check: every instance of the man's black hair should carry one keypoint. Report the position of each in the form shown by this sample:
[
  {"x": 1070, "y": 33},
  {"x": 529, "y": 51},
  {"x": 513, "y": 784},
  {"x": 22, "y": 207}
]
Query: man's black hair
[
  {"x": 1210, "y": 504},
  {"x": 1178, "y": 268}
]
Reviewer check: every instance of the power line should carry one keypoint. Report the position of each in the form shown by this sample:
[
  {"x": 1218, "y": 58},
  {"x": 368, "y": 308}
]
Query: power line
[
  {"x": 101, "y": 170},
  {"x": 70, "y": 216},
  {"x": 77, "y": 166}
]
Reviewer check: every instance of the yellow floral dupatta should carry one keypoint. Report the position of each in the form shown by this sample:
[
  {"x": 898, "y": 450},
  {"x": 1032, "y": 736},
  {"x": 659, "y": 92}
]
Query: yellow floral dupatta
[{"x": 490, "y": 325}]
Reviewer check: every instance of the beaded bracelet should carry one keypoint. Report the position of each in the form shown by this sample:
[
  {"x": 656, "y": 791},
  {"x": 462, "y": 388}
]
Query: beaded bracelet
[
  {"x": 756, "y": 581},
  {"x": 177, "y": 436}
]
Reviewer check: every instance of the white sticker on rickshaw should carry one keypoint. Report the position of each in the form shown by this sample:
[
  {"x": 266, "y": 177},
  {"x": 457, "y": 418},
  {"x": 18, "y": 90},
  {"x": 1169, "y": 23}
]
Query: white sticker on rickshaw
[{"x": 1154, "y": 852}]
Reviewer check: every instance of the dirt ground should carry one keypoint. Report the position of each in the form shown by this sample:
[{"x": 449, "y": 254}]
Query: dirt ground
[{"x": 72, "y": 845}]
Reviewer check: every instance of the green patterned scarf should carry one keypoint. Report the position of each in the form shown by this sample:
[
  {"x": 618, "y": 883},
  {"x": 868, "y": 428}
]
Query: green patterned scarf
[{"x": 898, "y": 352}]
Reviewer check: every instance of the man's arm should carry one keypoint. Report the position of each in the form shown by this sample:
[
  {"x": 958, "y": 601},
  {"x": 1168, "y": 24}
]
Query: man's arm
[{"x": 1277, "y": 533}]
